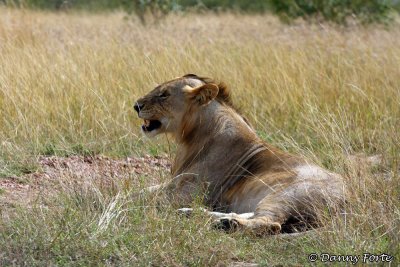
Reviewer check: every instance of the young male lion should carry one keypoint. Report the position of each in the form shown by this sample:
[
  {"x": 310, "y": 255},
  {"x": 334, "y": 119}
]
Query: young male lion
[{"x": 248, "y": 184}]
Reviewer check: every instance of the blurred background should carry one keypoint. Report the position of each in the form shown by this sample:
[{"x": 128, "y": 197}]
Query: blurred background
[{"x": 337, "y": 10}]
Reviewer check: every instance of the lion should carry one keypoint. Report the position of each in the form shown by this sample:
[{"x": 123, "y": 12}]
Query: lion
[{"x": 246, "y": 183}]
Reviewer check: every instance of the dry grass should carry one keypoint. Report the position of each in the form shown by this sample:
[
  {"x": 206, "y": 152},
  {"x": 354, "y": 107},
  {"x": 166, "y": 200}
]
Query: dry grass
[{"x": 67, "y": 85}]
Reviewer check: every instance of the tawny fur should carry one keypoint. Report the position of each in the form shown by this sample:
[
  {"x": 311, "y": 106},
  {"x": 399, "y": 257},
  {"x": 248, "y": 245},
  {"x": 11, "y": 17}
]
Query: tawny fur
[{"x": 220, "y": 156}]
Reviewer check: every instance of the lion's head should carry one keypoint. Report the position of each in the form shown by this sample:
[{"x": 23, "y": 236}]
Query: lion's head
[{"x": 164, "y": 108}]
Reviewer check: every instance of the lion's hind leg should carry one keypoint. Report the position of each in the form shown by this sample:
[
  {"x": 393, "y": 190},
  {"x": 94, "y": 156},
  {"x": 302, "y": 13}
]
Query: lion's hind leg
[
  {"x": 231, "y": 222},
  {"x": 214, "y": 214},
  {"x": 258, "y": 225}
]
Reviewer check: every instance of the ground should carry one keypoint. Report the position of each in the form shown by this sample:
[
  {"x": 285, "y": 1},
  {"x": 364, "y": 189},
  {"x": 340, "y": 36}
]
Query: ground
[{"x": 25, "y": 189}]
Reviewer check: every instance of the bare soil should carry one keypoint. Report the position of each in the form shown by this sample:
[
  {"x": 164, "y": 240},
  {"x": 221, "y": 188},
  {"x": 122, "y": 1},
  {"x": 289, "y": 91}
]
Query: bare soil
[{"x": 56, "y": 172}]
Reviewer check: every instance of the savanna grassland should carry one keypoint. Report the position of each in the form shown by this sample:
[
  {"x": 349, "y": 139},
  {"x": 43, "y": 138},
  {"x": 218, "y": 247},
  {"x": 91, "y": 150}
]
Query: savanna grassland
[{"x": 68, "y": 82}]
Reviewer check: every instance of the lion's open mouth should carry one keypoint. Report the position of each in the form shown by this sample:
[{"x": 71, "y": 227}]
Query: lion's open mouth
[{"x": 150, "y": 125}]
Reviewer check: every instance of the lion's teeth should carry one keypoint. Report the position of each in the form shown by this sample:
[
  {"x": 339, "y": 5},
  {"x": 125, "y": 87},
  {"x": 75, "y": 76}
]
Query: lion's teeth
[{"x": 146, "y": 123}]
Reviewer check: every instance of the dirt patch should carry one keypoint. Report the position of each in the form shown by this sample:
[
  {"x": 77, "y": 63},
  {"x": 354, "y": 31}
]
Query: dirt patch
[{"x": 56, "y": 171}]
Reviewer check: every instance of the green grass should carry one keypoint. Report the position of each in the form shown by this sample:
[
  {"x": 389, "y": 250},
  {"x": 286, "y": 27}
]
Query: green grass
[{"x": 67, "y": 85}]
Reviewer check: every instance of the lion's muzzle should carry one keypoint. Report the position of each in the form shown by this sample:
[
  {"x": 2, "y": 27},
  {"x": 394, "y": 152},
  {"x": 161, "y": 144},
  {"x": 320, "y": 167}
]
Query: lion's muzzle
[{"x": 149, "y": 124}]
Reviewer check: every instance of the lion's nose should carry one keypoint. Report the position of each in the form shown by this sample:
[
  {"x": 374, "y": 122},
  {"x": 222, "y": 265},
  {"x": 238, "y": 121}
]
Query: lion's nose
[{"x": 138, "y": 107}]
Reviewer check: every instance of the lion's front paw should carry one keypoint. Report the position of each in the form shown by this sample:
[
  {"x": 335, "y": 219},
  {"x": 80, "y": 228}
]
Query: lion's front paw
[{"x": 226, "y": 224}]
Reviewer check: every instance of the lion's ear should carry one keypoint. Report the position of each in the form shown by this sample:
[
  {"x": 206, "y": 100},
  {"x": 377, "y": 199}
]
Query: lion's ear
[{"x": 202, "y": 94}]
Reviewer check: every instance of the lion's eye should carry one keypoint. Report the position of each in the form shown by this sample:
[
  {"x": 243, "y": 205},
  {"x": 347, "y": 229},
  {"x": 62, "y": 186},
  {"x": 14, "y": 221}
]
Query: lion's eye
[{"x": 164, "y": 95}]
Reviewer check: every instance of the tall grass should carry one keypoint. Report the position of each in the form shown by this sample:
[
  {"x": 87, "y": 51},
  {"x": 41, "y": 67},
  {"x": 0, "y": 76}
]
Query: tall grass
[{"x": 67, "y": 86}]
